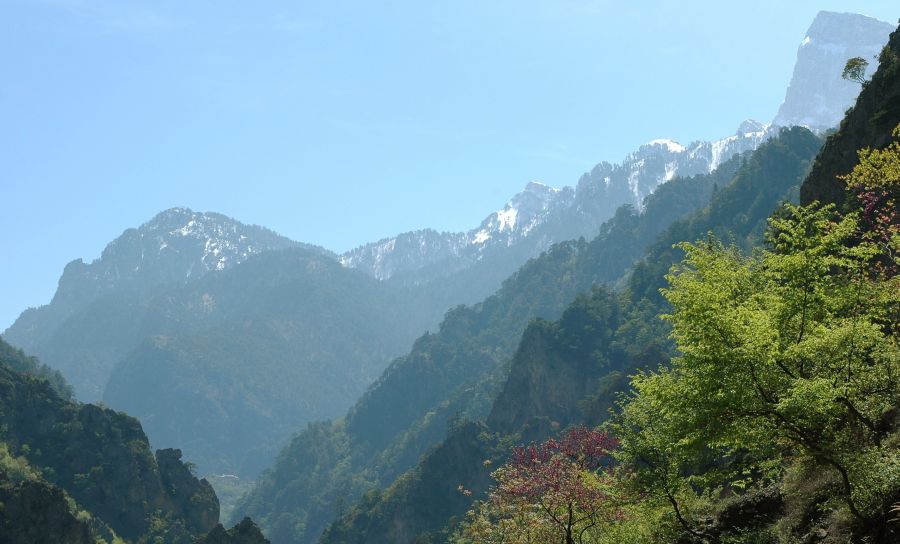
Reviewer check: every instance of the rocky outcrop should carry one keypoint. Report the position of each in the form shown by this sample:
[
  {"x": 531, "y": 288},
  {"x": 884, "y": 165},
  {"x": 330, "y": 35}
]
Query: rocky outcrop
[
  {"x": 245, "y": 532},
  {"x": 101, "y": 458},
  {"x": 192, "y": 499}
]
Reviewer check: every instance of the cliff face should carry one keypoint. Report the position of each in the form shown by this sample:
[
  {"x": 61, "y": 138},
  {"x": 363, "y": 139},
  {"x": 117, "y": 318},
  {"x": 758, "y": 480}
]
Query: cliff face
[{"x": 868, "y": 124}]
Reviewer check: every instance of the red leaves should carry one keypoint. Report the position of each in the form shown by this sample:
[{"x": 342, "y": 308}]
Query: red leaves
[
  {"x": 561, "y": 473},
  {"x": 587, "y": 449}
]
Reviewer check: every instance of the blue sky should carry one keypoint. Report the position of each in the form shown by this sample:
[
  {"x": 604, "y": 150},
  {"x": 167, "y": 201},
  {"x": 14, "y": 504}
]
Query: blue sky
[{"x": 338, "y": 123}]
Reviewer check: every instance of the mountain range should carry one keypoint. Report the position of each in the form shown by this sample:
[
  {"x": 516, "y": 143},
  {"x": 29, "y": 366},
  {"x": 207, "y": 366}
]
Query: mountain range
[
  {"x": 164, "y": 322},
  {"x": 378, "y": 384}
]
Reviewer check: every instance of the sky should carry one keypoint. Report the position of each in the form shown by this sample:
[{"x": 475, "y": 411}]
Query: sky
[{"x": 339, "y": 123}]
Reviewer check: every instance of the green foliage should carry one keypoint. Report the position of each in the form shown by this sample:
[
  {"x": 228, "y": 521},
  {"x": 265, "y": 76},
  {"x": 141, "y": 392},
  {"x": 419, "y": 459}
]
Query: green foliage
[
  {"x": 100, "y": 458},
  {"x": 786, "y": 356},
  {"x": 855, "y": 70},
  {"x": 16, "y": 469},
  {"x": 18, "y": 361}
]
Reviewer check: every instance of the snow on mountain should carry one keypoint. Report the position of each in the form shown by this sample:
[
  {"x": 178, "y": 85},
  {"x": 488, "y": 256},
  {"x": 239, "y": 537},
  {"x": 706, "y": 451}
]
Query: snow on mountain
[
  {"x": 539, "y": 216},
  {"x": 817, "y": 96},
  {"x": 173, "y": 247}
]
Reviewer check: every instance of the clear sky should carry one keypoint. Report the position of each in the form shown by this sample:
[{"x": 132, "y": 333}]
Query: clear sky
[{"x": 338, "y": 123}]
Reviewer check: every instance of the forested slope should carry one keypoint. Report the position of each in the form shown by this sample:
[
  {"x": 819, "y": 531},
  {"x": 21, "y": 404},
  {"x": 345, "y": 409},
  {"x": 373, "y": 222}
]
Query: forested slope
[{"x": 459, "y": 370}]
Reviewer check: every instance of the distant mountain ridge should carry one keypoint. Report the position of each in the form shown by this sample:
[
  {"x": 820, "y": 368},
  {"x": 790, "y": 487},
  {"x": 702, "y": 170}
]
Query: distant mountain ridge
[
  {"x": 175, "y": 246},
  {"x": 540, "y": 215}
]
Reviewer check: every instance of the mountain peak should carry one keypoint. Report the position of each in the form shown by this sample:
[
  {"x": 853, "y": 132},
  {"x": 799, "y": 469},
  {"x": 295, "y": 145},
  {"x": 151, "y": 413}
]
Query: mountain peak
[
  {"x": 538, "y": 187},
  {"x": 817, "y": 96},
  {"x": 751, "y": 126},
  {"x": 671, "y": 145}
]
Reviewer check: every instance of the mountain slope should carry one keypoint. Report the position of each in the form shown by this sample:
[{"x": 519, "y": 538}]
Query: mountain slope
[
  {"x": 454, "y": 372},
  {"x": 868, "y": 124},
  {"x": 166, "y": 323},
  {"x": 102, "y": 459},
  {"x": 237, "y": 360},
  {"x": 569, "y": 371}
]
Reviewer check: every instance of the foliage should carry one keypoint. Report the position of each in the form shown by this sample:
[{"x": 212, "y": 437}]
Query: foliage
[
  {"x": 855, "y": 70},
  {"x": 100, "y": 458},
  {"x": 18, "y": 361},
  {"x": 557, "y": 491},
  {"x": 786, "y": 356}
]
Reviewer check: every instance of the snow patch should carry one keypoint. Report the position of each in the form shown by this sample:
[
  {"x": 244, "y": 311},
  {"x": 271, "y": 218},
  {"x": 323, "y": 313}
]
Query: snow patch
[
  {"x": 671, "y": 145},
  {"x": 671, "y": 168},
  {"x": 507, "y": 218},
  {"x": 481, "y": 237}
]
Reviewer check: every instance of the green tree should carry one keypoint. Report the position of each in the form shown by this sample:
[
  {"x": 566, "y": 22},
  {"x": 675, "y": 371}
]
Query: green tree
[
  {"x": 787, "y": 357},
  {"x": 855, "y": 70}
]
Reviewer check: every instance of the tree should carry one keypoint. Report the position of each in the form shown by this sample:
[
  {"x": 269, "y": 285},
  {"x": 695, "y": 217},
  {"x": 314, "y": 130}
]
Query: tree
[
  {"x": 855, "y": 70},
  {"x": 788, "y": 357},
  {"x": 557, "y": 491}
]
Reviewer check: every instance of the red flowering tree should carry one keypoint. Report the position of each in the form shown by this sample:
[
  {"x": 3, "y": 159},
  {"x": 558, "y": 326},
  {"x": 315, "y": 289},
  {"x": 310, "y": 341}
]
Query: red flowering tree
[{"x": 557, "y": 491}]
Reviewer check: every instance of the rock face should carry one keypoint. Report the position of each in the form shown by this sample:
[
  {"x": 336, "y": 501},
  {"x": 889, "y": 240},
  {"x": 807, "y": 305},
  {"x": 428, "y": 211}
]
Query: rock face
[{"x": 817, "y": 96}]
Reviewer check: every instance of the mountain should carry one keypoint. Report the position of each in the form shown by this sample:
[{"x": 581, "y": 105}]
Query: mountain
[
  {"x": 231, "y": 364},
  {"x": 817, "y": 96},
  {"x": 173, "y": 248},
  {"x": 166, "y": 323},
  {"x": 569, "y": 372},
  {"x": 458, "y": 371},
  {"x": 540, "y": 216}
]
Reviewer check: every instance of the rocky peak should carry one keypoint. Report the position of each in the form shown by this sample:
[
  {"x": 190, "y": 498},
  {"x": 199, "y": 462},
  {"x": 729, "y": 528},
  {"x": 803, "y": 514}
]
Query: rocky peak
[
  {"x": 174, "y": 246},
  {"x": 750, "y": 126},
  {"x": 817, "y": 96}
]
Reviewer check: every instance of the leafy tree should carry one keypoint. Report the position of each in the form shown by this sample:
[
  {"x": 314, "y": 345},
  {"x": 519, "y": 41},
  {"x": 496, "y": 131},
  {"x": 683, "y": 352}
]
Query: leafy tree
[
  {"x": 855, "y": 70},
  {"x": 787, "y": 356},
  {"x": 557, "y": 491}
]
